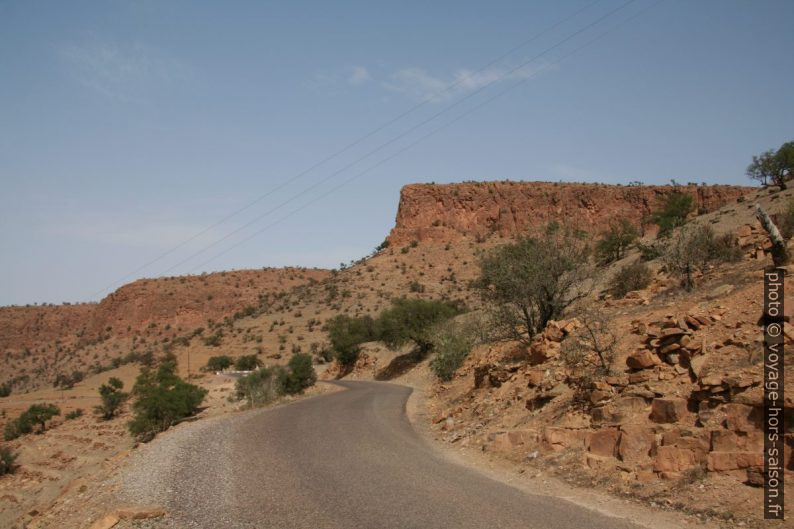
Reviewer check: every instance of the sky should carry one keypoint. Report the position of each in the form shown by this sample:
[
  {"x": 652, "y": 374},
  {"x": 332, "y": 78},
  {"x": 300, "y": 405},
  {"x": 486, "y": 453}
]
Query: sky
[{"x": 149, "y": 138}]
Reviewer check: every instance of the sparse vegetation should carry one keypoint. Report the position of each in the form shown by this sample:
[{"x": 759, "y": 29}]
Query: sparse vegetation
[
  {"x": 694, "y": 248},
  {"x": 616, "y": 240},
  {"x": 673, "y": 212},
  {"x": 5, "y": 389},
  {"x": 219, "y": 363},
  {"x": 633, "y": 276},
  {"x": 301, "y": 374},
  {"x": 74, "y": 414},
  {"x": 346, "y": 334},
  {"x": 410, "y": 320},
  {"x": 162, "y": 399},
  {"x": 247, "y": 363},
  {"x": 262, "y": 386},
  {"x": 452, "y": 341},
  {"x": 785, "y": 221},
  {"x": 773, "y": 167},
  {"x": 35, "y": 415},
  {"x": 112, "y": 398},
  {"x": 531, "y": 281},
  {"x": 268, "y": 383},
  {"x": 7, "y": 459}
]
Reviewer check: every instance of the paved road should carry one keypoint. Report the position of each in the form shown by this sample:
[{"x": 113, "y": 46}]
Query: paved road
[{"x": 344, "y": 460}]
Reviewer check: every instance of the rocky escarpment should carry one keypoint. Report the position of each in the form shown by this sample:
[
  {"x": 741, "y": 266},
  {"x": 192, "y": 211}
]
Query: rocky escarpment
[
  {"x": 430, "y": 212},
  {"x": 175, "y": 302}
]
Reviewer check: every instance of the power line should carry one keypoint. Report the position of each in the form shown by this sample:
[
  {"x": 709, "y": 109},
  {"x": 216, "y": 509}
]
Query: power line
[
  {"x": 399, "y": 136},
  {"x": 431, "y": 133},
  {"x": 347, "y": 147}
]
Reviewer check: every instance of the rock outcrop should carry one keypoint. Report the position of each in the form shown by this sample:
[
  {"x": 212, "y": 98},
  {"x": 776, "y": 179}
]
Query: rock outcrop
[{"x": 431, "y": 212}]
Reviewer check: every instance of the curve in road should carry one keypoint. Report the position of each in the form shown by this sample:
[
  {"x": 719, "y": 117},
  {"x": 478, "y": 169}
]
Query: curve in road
[{"x": 349, "y": 459}]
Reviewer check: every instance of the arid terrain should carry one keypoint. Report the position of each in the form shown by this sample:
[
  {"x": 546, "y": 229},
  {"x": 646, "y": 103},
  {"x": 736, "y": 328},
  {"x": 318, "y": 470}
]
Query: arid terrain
[{"x": 673, "y": 425}]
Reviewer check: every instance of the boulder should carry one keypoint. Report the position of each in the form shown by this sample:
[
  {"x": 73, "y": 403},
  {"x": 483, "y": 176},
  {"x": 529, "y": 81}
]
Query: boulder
[
  {"x": 725, "y": 461},
  {"x": 603, "y": 442},
  {"x": 561, "y": 438},
  {"x": 668, "y": 410},
  {"x": 510, "y": 441},
  {"x": 642, "y": 360},
  {"x": 673, "y": 459},
  {"x": 743, "y": 418},
  {"x": 543, "y": 350},
  {"x": 636, "y": 443},
  {"x": 697, "y": 440}
]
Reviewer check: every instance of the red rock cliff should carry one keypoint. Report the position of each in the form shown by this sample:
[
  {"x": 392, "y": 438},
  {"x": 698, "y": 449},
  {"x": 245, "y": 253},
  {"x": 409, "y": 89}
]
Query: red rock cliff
[{"x": 431, "y": 212}]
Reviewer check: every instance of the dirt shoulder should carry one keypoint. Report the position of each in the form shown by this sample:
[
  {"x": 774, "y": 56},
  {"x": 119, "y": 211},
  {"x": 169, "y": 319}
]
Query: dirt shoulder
[{"x": 530, "y": 479}]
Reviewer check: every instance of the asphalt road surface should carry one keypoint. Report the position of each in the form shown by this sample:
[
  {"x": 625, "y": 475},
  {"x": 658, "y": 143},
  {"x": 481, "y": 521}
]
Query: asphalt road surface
[{"x": 346, "y": 460}]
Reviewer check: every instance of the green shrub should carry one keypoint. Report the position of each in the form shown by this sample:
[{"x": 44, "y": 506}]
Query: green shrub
[
  {"x": 532, "y": 281},
  {"x": 410, "y": 320},
  {"x": 301, "y": 373},
  {"x": 247, "y": 363},
  {"x": 7, "y": 458},
  {"x": 74, "y": 414},
  {"x": 5, "y": 389},
  {"x": 695, "y": 248},
  {"x": 673, "y": 212},
  {"x": 262, "y": 386},
  {"x": 162, "y": 399},
  {"x": 649, "y": 252},
  {"x": 35, "y": 415},
  {"x": 616, "y": 240},
  {"x": 452, "y": 341},
  {"x": 219, "y": 363},
  {"x": 112, "y": 398},
  {"x": 634, "y": 276},
  {"x": 346, "y": 334}
]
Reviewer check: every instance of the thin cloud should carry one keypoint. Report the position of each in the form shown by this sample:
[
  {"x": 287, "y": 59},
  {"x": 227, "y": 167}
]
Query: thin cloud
[
  {"x": 358, "y": 75},
  {"x": 421, "y": 84},
  {"x": 127, "y": 72}
]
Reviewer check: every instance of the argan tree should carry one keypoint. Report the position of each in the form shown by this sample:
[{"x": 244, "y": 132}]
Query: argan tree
[
  {"x": 773, "y": 167},
  {"x": 616, "y": 240},
  {"x": 112, "y": 398},
  {"x": 532, "y": 281}
]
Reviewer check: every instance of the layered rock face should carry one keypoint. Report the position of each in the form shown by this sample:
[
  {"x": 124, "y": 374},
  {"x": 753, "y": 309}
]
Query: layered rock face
[
  {"x": 430, "y": 212},
  {"x": 186, "y": 302}
]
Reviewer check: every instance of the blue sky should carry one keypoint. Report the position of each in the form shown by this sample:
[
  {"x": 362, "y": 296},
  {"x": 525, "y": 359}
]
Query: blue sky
[{"x": 128, "y": 127}]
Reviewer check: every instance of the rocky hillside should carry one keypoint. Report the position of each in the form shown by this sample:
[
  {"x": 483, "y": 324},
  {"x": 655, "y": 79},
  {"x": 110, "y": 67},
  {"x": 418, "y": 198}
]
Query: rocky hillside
[
  {"x": 430, "y": 212},
  {"x": 34, "y": 339}
]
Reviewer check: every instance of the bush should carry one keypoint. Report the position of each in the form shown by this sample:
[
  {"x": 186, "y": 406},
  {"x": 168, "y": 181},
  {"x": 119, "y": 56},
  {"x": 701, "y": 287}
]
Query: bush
[
  {"x": 693, "y": 249},
  {"x": 35, "y": 415},
  {"x": 616, "y": 240},
  {"x": 74, "y": 414},
  {"x": 530, "y": 282},
  {"x": 162, "y": 399},
  {"x": 5, "y": 389},
  {"x": 112, "y": 398},
  {"x": 7, "y": 458},
  {"x": 262, "y": 386},
  {"x": 452, "y": 341},
  {"x": 346, "y": 334},
  {"x": 410, "y": 320},
  {"x": 785, "y": 221},
  {"x": 634, "y": 276},
  {"x": 301, "y": 373},
  {"x": 649, "y": 252},
  {"x": 218, "y": 363},
  {"x": 247, "y": 363},
  {"x": 673, "y": 212}
]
